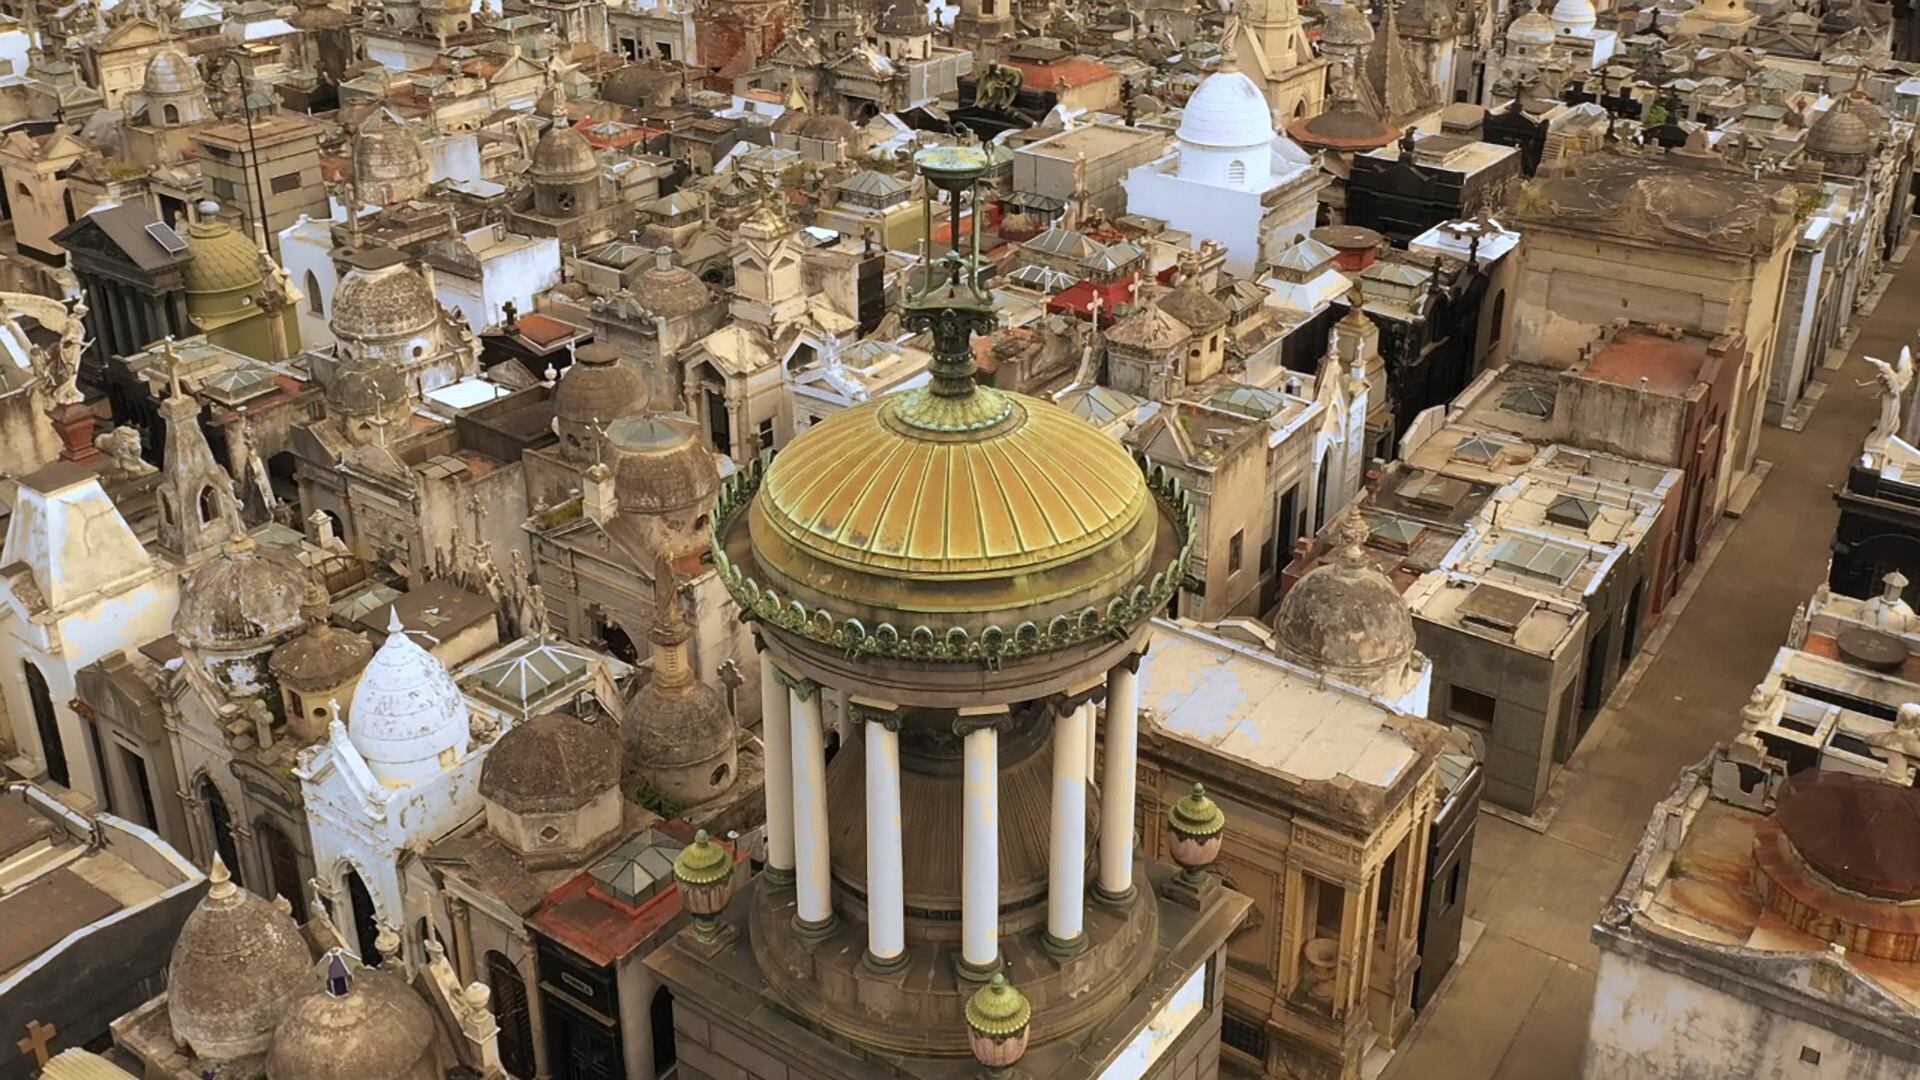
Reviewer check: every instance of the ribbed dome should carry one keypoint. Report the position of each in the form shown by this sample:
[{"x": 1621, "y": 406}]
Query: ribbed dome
[
  {"x": 324, "y": 655},
  {"x": 237, "y": 965},
  {"x": 672, "y": 727},
  {"x": 240, "y": 599},
  {"x": 550, "y": 764},
  {"x": 378, "y": 1029},
  {"x": 170, "y": 72},
  {"x": 407, "y": 710},
  {"x": 1841, "y": 130},
  {"x": 660, "y": 464},
  {"x": 389, "y": 163},
  {"x": 1194, "y": 305},
  {"x": 668, "y": 291},
  {"x": 1344, "y": 618},
  {"x": 1227, "y": 111},
  {"x": 223, "y": 260},
  {"x": 1348, "y": 25},
  {"x": 598, "y": 387},
  {"x": 390, "y": 302},
  {"x": 1577, "y": 16},
  {"x": 563, "y": 155}
]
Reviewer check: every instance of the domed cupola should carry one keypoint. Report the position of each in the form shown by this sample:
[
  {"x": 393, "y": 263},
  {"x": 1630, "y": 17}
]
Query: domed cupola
[
  {"x": 408, "y": 715},
  {"x": 664, "y": 480},
  {"x": 385, "y": 310},
  {"x": 681, "y": 740},
  {"x": 565, "y": 173},
  {"x": 236, "y": 967},
  {"x": 597, "y": 389},
  {"x": 389, "y": 163},
  {"x": 552, "y": 787},
  {"x": 366, "y": 1024},
  {"x": 224, "y": 277},
  {"x": 174, "y": 93},
  {"x": 668, "y": 291},
  {"x": 1226, "y": 131},
  {"x": 1347, "y": 27},
  {"x": 234, "y": 608},
  {"x": 1531, "y": 31},
  {"x": 317, "y": 667},
  {"x": 1844, "y": 137},
  {"x": 1345, "y": 619},
  {"x": 1574, "y": 16}
]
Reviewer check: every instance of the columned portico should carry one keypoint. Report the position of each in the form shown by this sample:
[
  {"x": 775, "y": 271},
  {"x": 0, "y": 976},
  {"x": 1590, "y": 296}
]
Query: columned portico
[
  {"x": 813, "y": 905},
  {"x": 776, "y": 737},
  {"x": 1117, "y": 780}
]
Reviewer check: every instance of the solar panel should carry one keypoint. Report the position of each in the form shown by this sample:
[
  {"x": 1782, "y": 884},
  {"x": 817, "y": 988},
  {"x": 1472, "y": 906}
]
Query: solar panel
[{"x": 166, "y": 237}]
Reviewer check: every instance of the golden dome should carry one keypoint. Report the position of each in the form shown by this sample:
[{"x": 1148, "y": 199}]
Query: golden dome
[
  {"x": 864, "y": 488},
  {"x": 952, "y": 528},
  {"x": 223, "y": 259}
]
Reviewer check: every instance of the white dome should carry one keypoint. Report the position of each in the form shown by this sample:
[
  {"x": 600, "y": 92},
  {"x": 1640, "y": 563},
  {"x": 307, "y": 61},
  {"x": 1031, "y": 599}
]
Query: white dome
[
  {"x": 1575, "y": 15},
  {"x": 1228, "y": 112},
  {"x": 407, "y": 711},
  {"x": 1532, "y": 28}
]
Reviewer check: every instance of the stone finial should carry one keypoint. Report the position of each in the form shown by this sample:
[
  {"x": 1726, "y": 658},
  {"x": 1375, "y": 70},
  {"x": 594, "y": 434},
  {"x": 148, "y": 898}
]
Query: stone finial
[
  {"x": 999, "y": 1020},
  {"x": 222, "y": 881},
  {"x": 1894, "y": 586}
]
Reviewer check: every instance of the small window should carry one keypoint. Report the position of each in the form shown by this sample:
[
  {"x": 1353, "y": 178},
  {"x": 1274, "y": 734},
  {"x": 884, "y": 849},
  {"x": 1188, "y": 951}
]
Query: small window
[
  {"x": 1809, "y": 1056},
  {"x": 1233, "y": 551},
  {"x": 285, "y": 182},
  {"x": 549, "y": 834},
  {"x": 1453, "y": 885},
  {"x": 315, "y": 302},
  {"x": 720, "y": 775},
  {"x": 170, "y": 113},
  {"x": 1470, "y": 705},
  {"x": 1237, "y": 172},
  {"x": 766, "y": 434}
]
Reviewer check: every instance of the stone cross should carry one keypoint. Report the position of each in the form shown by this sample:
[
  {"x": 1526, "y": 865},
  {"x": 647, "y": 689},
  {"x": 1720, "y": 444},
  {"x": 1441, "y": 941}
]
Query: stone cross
[{"x": 38, "y": 1036}]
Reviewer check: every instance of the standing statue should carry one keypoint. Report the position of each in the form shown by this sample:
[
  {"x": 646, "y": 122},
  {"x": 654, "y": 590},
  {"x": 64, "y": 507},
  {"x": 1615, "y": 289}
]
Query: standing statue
[{"x": 1894, "y": 380}]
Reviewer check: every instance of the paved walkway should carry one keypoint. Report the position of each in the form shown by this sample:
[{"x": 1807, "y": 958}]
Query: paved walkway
[{"x": 1517, "y": 1009}]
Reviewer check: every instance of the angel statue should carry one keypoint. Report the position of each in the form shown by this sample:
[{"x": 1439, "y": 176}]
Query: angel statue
[
  {"x": 1902, "y": 744},
  {"x": 59, "y": 367},
  {"x": 1894, "y": 380}
]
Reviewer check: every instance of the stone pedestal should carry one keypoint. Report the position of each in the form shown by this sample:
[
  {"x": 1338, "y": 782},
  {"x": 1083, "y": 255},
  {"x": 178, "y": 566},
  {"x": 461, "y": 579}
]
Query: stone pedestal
[{"x": 74, "y": 424}]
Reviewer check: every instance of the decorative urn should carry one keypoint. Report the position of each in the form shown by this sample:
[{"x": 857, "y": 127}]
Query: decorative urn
[
  {"x": 1195, "y": 825},
  {"x": 704, "y": 872},
  {"x": 997, "y": 1025}
]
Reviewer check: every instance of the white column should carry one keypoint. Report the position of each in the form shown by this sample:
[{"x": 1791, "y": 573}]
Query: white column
[
  {"x": 776, "y": 740},
  {"x": 814, "y": 904},
  {"x": 1117, "y": 784},
  {"x": 980, "y": 869},
  {"x": 1067, "y": 854},
  {"x": 886, "y": 886}
]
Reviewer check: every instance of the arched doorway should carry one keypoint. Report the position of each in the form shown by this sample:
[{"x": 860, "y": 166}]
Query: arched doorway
[
  {"x": 283, "y": 864},
  {"x": 660, "y": 1014},
  {"x": 510, "y": 1012},
  {"x": 366, "y": 930},
  {"x": 220, "y": 827},
  {"x": 48, "y": 725}
]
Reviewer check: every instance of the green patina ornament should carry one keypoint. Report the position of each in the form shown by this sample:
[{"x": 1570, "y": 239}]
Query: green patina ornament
[
  {"x": 702, "y": 864},
  {"x": 1196, "y": 816},
  {"x": 997, "y": 1010}
]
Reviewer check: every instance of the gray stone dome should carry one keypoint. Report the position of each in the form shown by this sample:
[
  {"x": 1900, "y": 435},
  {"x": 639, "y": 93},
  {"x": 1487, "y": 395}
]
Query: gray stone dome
[
  {"x": 550, "y": 764},
  {"x": 374, "y": 1028},
  {"x": 240, "y": 599},
  {"x": 660, "y": 464},
  {"x": 563, "y": 156},
  {"x": 1843, "y": 130},
  {"x": 389, "y": 162},
  {"x": 237, "y": 965},
  {"x": 597, "y": 389},
  {"x": 170, "y": 72},
  {"x": 904, "y": 18},
  {"x": 1344, "y": 618},
  {"x": 1347, "y": 25},
  {"x": 668, "y": 291},
  {"x": 324, "y": 655},
  {"x": 681, "y": 740},
  {"x": 391, "y": 302}
]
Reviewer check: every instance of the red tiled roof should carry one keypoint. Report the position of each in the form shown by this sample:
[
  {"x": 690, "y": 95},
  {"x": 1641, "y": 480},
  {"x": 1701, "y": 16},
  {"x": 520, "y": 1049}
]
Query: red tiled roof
[
  {"x": 544, "y": 330},
  {"x": 1068, "y": 74}
]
